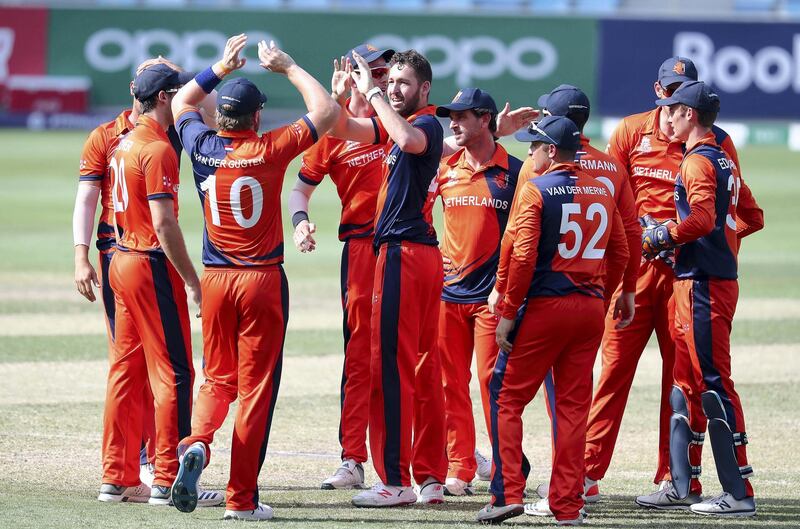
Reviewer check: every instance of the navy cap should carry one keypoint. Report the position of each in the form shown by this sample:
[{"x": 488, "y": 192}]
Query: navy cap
[
  {"x": 556, "y": 130},
  {"x": 467, "y": 99},
  {"x": 157, "y": 77},
  {"x": 565, "y": 99},
  {"x": 695, "y": 94},
  {"x": 370, "y": 53},
  {"x": 239, "y": 97},
  {"x": 676, "y": 70}
]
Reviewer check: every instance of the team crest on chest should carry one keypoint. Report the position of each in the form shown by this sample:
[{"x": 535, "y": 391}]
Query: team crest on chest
[
  {"x": 645, "y": 145},
  {"x": 501, "y": 180},
  {"x": 452, "y": 175}
]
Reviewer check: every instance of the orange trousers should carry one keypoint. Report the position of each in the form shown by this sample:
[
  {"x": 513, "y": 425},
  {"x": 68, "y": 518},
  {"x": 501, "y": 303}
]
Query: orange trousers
[
  {"x": 245, "y": 312},
  {"x": 621, "y": 350},
  {"x": 464, "y": 327},
  {"x": 703, "y": 318},
  {"x": 147, "y": 453},
  {"x": 562, "y": 334},
  {"x": 152, "y": 341},
  {"x": 357, "y": 279},
  {"x": 406, "y": 413}
]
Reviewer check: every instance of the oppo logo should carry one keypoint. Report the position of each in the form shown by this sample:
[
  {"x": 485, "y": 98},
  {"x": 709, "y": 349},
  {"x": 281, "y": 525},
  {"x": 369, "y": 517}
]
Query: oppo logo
[
  {"x": 116, "y": 49},
  {"x": 479, "y": 57},
  {"x": 733, "y": 69}
]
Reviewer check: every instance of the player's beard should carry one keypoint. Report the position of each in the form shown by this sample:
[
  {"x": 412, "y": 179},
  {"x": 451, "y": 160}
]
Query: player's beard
[{"x": 408, "y": 106}]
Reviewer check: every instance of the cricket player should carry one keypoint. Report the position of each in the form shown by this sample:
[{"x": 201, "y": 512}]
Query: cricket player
[
  {"x": 706, "y": 238},
  {"x": 477, "y": 185},
  {"x": 94, "y": 186},
  {"x": 407, "y": 426},
  {"x": 572, "y": 102},
  {"x": 356, "y": 170},
  {"x": 569, "y": 236},
  {"x": 149, "y": 275},
  {"x": 643, "y": 145},
  {"x": 239, "y": 177}
]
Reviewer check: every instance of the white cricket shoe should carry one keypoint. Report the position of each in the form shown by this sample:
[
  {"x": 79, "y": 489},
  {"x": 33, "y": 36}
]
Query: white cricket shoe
[
  {"x": 457, "y": 487},
  {"x": 725, "y": 505},
  {"x": 113, "y": 493},
  {"x": 209, "y": 498},
  {"x": 350, "y": 475},
  {"x": 575, "y": 521},
  {"x": 542, "y": 508},
  {"x": 484, "y": 471},
  {"x": 591, "y": 491},
  {"x": 259, "y": 514},
  {"x": 381, "y": 495},
  {"x": 430, "y": 491},
  {"x": 147, "y": 473},
  {"x": 665, "y": 498},
  {"x": 491, "y": 515},
  {"x": 160, "y": 495}
]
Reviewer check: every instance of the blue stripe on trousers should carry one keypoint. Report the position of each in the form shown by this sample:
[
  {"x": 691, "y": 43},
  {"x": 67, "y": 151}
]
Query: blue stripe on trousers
[
  {"x": 345, "y": 274},
  {"x": 390, "y": 375},
  {"x": 108, "y": 293},
  {"x": 704, "y": 346},
  {"x": 174, "y": 339},
  {"x": 550, "y": 389}
]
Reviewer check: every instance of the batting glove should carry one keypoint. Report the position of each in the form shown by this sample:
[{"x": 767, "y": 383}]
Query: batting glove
[{"x": 656, "y": 239}]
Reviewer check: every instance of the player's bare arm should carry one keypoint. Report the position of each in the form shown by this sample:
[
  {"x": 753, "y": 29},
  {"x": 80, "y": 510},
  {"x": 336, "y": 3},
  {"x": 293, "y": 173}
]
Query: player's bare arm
[
  {"x": 323, "y": 111},
  {"x": 171, "y": 240},
  {"x": 82, "y": 227},
  {"x": 304, "y": 229},
  {"x": 407, "y": 137}
]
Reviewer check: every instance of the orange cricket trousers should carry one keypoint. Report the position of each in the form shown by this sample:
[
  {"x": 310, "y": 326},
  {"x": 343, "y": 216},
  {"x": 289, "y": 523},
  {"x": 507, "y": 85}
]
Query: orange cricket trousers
[
  {"x": 562, "y": 334},
  {"x": 464, "y": 327},
  {"x": 152, "y": 341},
  {"x": 245, "y": 312},
  {"x": 621, "y": 350},
  {"x": 704, "y": 312},
  {"x": 148, "y": 449},
  {"x": 357, "y": 279},
  {"x": 406, "y": 413}
]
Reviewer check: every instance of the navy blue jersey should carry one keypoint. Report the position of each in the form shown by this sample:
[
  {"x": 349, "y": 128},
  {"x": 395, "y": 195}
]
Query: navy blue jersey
[{"x": 407, "y": 193}]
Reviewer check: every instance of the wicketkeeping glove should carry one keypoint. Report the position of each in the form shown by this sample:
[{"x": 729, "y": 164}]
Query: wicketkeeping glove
[{"x": 656, "y": 239}]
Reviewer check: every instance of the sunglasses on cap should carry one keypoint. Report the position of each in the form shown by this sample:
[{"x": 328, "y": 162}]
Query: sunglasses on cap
[{"x": 533, "y": 128}]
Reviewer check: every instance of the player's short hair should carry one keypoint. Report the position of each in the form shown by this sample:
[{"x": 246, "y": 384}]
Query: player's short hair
[
  {"x": 492, "y": 120},
  {"x": 413, "y": 58},
  {"x": 149, "y": 104},
  {"x": 706, "y": 118},
  {"x": 237, "y": 123}
]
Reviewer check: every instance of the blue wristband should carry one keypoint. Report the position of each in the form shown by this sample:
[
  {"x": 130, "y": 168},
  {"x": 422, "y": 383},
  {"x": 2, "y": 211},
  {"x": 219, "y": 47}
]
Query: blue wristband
[{"x": 207, "y": 80}]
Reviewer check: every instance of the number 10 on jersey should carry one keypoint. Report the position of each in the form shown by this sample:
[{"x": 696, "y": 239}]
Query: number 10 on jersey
[{"x": 234, "y": 204}]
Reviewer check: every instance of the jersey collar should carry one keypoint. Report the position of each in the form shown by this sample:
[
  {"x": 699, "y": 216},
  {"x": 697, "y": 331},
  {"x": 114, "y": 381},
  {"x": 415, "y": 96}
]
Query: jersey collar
[
  {"x": 429, "y": 110},
  {"x": 707, "y": 139},
  {"x": 122, "y": 124},
  {"x": 150, "y": 123},
  {"x": 569, "y": 167},
  {"x": 459, "y": 160},
  {"x": 237, "y": 134}
]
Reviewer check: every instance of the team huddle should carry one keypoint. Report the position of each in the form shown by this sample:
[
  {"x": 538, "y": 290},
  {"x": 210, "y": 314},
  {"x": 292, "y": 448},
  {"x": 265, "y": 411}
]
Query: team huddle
[{"x": 542, "y": 263}]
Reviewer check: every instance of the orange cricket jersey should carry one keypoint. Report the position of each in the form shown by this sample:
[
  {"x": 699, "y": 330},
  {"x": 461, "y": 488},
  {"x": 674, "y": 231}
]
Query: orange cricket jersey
[
  {"x": 606, "y": 169},
  {"x": 356, "y": 170},
  {"x": 476, "y": 206},
  {"x": 144, "y": 167},
  {"x": 239, "y": 177},
  {"x": 95, "y": 157},
  {"x": 568, "y": 232},
  {"x": 653, "y": 161}
]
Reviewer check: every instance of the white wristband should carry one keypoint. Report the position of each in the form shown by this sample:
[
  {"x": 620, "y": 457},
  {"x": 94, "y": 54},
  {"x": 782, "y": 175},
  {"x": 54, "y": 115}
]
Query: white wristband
[{"x": 375, "y": 90}]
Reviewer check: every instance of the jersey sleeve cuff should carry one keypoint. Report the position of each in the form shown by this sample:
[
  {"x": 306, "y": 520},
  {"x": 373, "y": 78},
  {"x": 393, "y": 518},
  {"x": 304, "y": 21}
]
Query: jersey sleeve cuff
[
  {"x": 311, "y": 128},
  {"x": 306, "y": 180},
  {"x": 156, "y": 196},
  {"x": 90, "y": 178}
]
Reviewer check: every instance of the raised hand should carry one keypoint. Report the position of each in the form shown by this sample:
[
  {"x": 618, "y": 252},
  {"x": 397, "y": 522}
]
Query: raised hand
[
  {"x": 362, "y": 77},
  {"x": 230, "y": 57},
  {"x": 509, "y": 121},
  {"x": 340, "y": 81},
  {"x": 273, "y": 58}
]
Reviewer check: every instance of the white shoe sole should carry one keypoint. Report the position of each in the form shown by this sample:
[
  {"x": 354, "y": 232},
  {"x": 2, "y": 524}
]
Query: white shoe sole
[
  {"x": 734, "y": 514},
  {"x": 662, "y": 507},
  {"x": 331, "y": 486},
  {"x": 119, "y": 498},
  {"x": 244, "y": 517},
  {"x": 159, "y": 501},
  {"x": 380, "y": 505}
]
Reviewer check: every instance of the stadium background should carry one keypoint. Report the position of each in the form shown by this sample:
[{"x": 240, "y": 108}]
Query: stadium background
[{"x": 65, "y": 66}]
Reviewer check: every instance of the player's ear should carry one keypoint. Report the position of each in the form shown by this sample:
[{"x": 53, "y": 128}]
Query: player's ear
[
  {"x": 425, "y": 88},
  {"x": 658, "y": 90}
]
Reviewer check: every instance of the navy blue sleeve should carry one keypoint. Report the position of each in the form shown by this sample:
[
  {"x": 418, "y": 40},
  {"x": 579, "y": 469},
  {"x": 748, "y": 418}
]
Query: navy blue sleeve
[
  {"x": 434, "y": 134},
  {"x": 195, "y": 135}
]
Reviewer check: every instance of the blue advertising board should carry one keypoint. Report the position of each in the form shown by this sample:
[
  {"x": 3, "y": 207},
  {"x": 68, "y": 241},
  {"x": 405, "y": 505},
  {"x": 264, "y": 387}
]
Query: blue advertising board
[{"x": 754, "y": 67}]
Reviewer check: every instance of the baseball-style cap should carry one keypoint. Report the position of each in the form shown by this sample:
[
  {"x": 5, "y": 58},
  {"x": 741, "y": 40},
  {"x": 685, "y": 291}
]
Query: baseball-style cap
[
  {"x": 695, "y": 94},
  {"x": 157, "y": 77},
  {"x": 239, "y": 97},
  {"x": 565, "y": 99},
  {"x": 676, "y": 70},
  {"x": 370, "y": 53},
  {"x": 467, "y": 99},
  {"x": 556, "y": 130}
]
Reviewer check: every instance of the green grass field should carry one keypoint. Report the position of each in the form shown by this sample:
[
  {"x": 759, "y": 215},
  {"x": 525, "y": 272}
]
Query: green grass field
[{"x": 53, "y": 368}]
